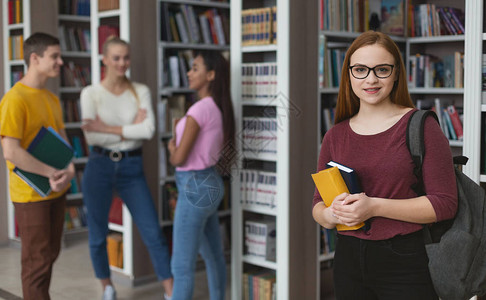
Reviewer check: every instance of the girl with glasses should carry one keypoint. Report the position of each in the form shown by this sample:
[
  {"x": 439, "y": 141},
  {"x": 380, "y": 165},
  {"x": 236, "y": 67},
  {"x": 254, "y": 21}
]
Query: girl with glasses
[{"x": 385, "y": 259}]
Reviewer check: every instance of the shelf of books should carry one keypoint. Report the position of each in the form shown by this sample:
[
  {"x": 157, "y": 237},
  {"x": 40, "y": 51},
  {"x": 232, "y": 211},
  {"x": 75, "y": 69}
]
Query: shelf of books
[
  {"x": 75, "y": 41},
  {"x": 262, "y": 140},
  {"x": 184, "y": 26},
  {"x": 112, "y": 17},
  {"x": 16, "y": 26}
]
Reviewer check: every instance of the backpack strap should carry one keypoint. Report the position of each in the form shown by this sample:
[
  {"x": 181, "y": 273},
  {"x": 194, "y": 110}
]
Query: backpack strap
[{"x": 416, "y": 146}]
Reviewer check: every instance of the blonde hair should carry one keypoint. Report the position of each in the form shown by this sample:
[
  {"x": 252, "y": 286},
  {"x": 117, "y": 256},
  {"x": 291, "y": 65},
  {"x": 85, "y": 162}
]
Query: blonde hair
[{"x": 114, "y": 40}]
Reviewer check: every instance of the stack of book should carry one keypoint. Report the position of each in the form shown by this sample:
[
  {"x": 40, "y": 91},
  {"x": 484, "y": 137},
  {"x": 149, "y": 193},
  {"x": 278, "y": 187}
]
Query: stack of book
[
  {"x": 114, "y": 245},
  {"x": 259, "y": 285},
  {"x": 259, "y": 26},
  {"x": 258, "y": 188},
  {"x": 258, "y": 81},
  {"x": 260, "y": 239}
]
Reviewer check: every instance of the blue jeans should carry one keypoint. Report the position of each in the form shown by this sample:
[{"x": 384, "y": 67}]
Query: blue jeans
[
  {"x": 101, "y": 177},
  {"x": 196, "y": 229}
]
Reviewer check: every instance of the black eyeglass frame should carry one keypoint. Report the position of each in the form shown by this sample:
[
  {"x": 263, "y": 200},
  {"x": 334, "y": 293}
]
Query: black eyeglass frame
[{"x": 370, "y": 69}]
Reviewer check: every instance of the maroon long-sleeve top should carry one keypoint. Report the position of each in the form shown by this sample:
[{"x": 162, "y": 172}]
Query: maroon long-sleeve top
[{"x": 385, "y": 168}]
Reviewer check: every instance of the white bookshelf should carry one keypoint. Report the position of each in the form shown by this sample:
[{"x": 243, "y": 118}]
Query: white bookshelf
[
  {"x": 8, "y": 29},
  {"x": 288, "y": 101}
]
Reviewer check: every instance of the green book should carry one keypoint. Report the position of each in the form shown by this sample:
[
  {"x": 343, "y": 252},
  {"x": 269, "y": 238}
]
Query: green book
[{"x": 50, "y": 148}]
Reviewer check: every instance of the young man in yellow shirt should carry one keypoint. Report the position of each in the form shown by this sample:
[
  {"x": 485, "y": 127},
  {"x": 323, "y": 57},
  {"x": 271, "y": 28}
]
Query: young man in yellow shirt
[{"x": 24, "y": 109}]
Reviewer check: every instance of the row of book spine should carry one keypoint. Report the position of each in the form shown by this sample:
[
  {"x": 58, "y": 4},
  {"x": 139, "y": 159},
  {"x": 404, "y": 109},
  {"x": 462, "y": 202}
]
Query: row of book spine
[
  {"x": 258, "y": 188},
  {"x": 327, "y": 241},
  {"x": 260, "y": 239},
  {"x": 104, "y": 5},
  {"x": 259, "y": 135},
  {"x": 483, "y": 144},
  {"x": 15, "y": 76},
  {"x": 15, "y": 15},
  {"x": 450, "y": 117},
  {"x": 71, "y": 109},
  {"x": 16, "y": 47},
  {"x": 259, "y": 26},
  {"x": 176, "y": 68},
  {"x": 330, "y": 60},
  {"x": 114, "y": 247},
  {"x": 74, "y": 39},
  {"x": 327, "y": 118},
  {"x": 77, "y": 182},
  {"x": 259, "y": 285},
  {"x": 258, "y": 81},
  {"x": 431, "y": 71},
  {"x": 431, "y": 20},
  {"x": 75, "y": 75},
  {"x": 75, "y": 7},
  {"x": 483, "y": 80},
  {"x": 78, "y": 142},
  {"x": 75, "y": 217},
  {"x": 104, "y": 32},
  {"x": 184, "y": 23}
]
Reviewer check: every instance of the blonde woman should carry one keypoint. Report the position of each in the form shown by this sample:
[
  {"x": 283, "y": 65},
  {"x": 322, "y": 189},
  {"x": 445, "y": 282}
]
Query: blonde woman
[{"x": 117, "y": 117}]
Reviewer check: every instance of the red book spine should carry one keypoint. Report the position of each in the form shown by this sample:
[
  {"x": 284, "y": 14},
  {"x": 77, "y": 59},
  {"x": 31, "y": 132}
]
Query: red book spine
[{"x": 456, "y": 121}]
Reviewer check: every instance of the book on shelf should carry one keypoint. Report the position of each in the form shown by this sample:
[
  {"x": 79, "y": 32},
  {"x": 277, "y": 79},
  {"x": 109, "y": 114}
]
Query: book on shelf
[
  {"x": 258, "y": 81},
  {"x": 75, "y": 7},
  {"x": 190, "y": 24},
  {"x": 259, "y": 135},
  {"x": 327, "y": 241},
  {"x": 114, "y": 245},
  {"x": 259, "y": 188},
  {"x": 74, "y": 38},
  {"x": 259, "y": 26},
  {"x": 104, "y": 5},
  {"x": 16, "y": 47},
  {"x": 50, "y": 148},
  {"x": 483, "y": 80},
  {"x": 259, "y": 284},
  {"x": 260, "y": 239},
  {"x": 392, "y": 17},
  {"x": 169, "y": 200},
  {"x": 15, "y": 15},
  {"x": 115, "y": 215},
  {"x": 432, "y": 20},
  {"x": 330, "y": 184},
  {"x": 104, "y": 32}
]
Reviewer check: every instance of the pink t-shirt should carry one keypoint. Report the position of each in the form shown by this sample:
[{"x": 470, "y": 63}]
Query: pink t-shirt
[{"x": 209, "y": 142}]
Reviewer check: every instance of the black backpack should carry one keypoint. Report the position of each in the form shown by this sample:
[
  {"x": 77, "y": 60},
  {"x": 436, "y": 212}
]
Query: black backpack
[{"x": 456, "y": 248}]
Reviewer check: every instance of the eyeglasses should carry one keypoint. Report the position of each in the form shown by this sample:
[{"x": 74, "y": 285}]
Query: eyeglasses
[{"x": 381, "y": 71}]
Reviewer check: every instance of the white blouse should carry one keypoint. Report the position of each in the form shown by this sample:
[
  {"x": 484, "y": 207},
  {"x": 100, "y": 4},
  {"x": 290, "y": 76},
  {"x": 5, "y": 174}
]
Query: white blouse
[{"x": 118, "y": 110}]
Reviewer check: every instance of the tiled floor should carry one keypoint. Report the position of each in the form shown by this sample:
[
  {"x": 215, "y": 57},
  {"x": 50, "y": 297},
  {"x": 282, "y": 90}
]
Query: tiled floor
[{"x": 73, "y": 277}]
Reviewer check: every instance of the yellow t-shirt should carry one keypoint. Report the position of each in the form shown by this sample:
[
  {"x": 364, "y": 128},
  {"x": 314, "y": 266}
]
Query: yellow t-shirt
[{"x": 23, "y": 111}]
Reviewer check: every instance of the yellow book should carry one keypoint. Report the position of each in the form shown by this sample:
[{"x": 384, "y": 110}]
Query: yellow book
[{"x": 330, "y": 184}]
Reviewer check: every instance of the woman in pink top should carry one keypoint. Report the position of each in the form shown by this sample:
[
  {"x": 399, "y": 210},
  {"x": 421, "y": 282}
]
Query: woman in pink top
[
  {"x": 385, "y": 259},
  {"x": 204, "y": 138}
]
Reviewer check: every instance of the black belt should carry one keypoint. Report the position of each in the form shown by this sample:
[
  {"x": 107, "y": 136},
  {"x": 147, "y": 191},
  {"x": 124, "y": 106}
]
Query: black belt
[{"x": 117, "y": 155}]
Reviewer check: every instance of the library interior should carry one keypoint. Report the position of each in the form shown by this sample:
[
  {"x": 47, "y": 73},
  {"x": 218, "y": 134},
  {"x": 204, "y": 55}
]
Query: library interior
[{"x": 285, "y": 60}]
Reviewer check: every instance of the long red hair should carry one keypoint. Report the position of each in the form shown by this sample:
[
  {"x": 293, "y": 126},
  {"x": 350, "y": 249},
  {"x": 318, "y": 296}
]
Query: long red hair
[{"x": 347, "y": 102}]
